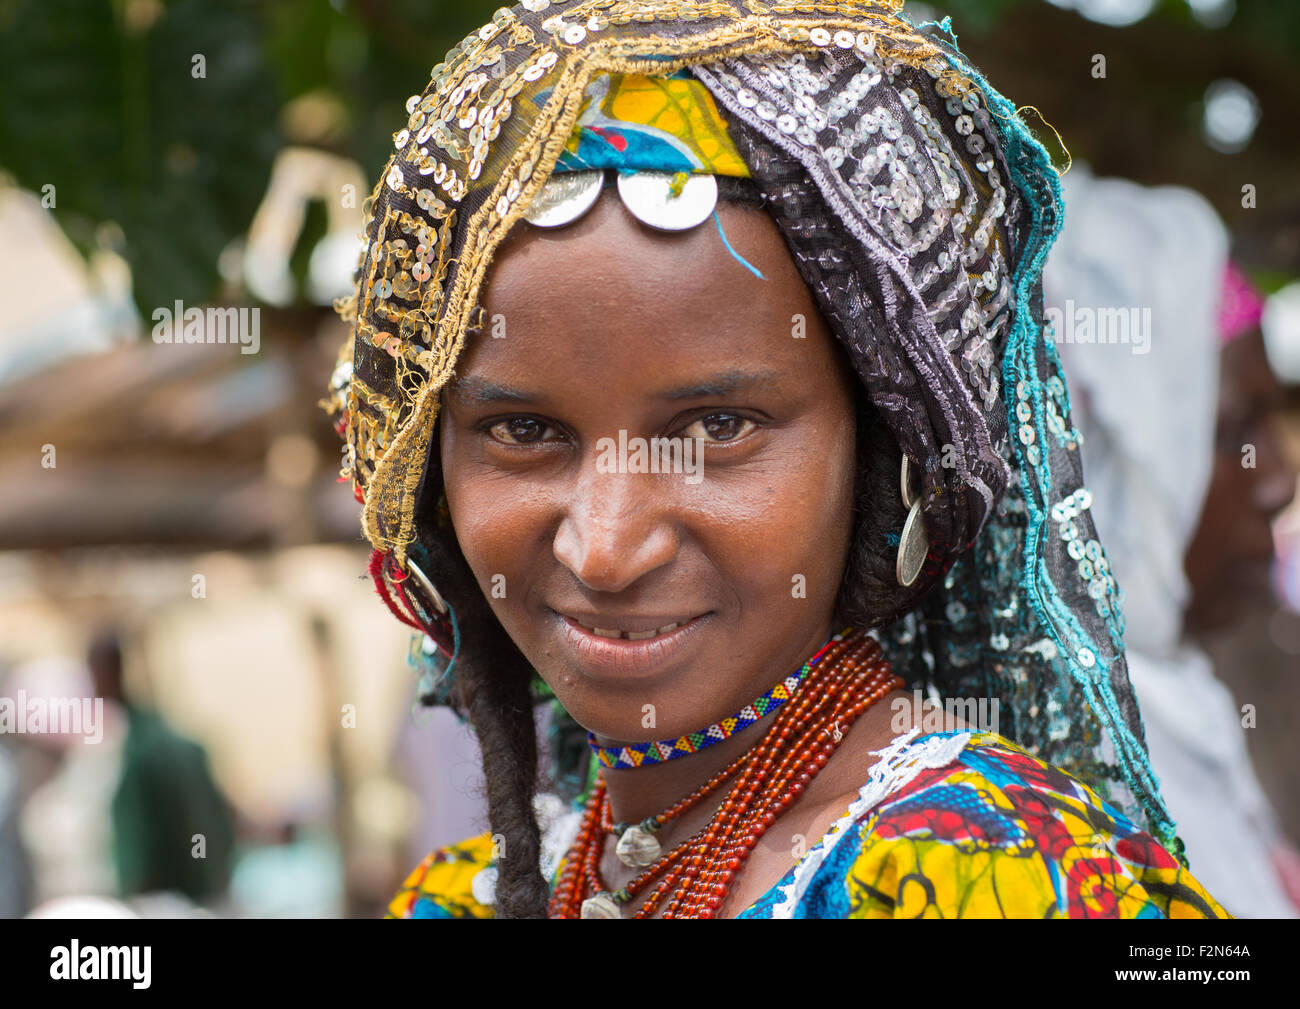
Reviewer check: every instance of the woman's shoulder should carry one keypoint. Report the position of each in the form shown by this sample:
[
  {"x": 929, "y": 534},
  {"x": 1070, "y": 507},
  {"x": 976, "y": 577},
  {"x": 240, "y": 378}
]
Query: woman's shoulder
[
  {"x": 969, "y": 824},
  {"x": 459, "y": 880},
  {"x": 455, "y": 881}
]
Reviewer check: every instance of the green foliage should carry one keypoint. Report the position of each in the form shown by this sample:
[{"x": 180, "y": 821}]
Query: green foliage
[{"x": 110, "y": 112}]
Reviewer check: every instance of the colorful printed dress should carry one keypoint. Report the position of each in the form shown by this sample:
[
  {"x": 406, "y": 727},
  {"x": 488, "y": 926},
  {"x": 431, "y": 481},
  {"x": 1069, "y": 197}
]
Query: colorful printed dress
[{"x": 950, "y": 825}]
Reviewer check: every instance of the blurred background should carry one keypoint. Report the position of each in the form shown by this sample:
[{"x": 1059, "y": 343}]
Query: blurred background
[{"x": 173, "y": 536}]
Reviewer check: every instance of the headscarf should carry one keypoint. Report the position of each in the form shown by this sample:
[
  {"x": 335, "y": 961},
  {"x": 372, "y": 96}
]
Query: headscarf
[{"x": 919, "y": 210}]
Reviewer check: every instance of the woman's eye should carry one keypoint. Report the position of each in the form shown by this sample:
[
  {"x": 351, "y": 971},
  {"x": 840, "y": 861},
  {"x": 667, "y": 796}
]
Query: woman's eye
[
  {"x": 519, "y": 431},
  {"x": 718, "y": 427}
]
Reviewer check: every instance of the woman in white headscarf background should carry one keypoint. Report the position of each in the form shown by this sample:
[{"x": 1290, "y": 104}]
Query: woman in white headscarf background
[{"x": 1133, "y": 287}]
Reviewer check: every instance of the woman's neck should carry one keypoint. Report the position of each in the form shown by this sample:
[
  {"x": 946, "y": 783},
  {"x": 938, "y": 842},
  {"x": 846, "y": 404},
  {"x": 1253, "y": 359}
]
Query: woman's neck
[{"x": 640, "y": 792}]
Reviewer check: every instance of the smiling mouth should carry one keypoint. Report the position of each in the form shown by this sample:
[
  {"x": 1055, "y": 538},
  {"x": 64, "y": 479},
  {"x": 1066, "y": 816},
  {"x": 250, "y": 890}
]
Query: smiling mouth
[
  {"x": 616, "y": 633},
  {"x": 646, "y": 649}
]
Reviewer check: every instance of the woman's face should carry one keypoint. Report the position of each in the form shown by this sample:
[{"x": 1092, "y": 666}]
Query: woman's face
[{"x": 607, "y": 332}]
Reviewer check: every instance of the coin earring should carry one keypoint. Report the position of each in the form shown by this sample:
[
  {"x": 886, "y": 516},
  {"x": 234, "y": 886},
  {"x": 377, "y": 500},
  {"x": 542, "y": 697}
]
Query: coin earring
[{"x": 913, "y": 545}]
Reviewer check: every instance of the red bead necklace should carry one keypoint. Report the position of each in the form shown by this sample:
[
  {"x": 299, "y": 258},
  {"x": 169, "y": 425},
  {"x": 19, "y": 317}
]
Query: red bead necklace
[{"x": 696, "y": 875}]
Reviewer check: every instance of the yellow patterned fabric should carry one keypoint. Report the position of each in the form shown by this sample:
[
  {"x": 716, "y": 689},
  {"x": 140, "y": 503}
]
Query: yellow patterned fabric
[
  {"x": 633, "y": 122},
  {"x": 442, "y": 885},
  {"x": 993, "y": 832}
]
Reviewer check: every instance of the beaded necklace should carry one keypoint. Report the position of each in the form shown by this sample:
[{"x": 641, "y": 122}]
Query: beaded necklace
[
  {"x": 642, "y": 754},
  {"x": 696, "y": 876}
]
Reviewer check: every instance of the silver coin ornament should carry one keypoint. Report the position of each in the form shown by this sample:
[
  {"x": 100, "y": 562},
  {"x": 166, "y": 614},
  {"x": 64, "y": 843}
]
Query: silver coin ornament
[
  {"x": 603, "y": 905},
  {"x": 484, "y": 886},
  {"x": 905, "y": 481},
  {"x": 912, "y": 547},
  {"x": 637, "y": 848},
  {"x": 649, "y": 196},
  {"x": 914, "y": 544},
  {"x": 422, "y": 580},
  {"x": 565, "y": 197}
]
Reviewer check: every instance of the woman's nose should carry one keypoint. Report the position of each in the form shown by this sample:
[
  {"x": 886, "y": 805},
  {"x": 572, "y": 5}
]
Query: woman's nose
[{"x": 616, "y": 529}]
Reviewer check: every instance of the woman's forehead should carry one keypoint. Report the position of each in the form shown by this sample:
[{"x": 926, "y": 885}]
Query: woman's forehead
[
  {"x": 610, "y": 264},
  {"x": 609, "y": 255},
  {"x": 666, "y": 313}
]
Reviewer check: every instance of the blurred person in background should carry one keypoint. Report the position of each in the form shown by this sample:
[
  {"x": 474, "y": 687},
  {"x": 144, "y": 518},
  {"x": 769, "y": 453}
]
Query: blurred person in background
[
  {"x": 65, "y": 783},
  {"x": 1251, "y": 482},
  {"x": 1141, "y": 291},
  {"x": 172, "y": 829}
]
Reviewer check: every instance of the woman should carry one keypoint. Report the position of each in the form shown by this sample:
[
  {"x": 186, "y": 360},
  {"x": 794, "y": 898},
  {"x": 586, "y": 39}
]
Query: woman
[{"x": 720, "y": 438}]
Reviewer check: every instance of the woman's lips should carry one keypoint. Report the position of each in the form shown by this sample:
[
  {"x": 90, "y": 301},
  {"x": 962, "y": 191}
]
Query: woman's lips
[{"x": 624, "y": 657}]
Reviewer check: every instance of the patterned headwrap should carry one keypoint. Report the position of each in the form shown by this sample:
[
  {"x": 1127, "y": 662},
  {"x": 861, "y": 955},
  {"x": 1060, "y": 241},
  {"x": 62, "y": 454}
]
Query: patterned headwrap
[{"x": 918, "y": 208}]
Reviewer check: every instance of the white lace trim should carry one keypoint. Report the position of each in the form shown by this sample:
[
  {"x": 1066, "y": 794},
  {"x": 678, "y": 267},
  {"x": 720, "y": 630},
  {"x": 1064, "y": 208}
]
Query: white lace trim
[
  {"x": 559, "y": 825},
  {"x": 900, "y": 762}
]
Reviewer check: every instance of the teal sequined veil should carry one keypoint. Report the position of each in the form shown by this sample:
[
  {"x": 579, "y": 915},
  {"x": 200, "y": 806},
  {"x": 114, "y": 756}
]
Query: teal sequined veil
[{"x": 920, "y": 214}]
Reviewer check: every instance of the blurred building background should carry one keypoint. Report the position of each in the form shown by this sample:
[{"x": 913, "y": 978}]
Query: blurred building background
[{"x": 186, "y": 494}]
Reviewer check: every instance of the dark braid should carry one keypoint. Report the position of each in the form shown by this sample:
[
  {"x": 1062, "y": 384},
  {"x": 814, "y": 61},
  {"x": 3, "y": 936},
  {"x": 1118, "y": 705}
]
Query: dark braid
[
  {"x": 492, "y": 688},
  {"x": 493, "y": 676}
]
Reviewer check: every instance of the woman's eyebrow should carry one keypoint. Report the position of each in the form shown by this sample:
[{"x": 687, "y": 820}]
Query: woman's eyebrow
[
  {"x": 476, "y": 391},
  {"x": 723, "y": 384},
  {"x": 479, "y": 391}
]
